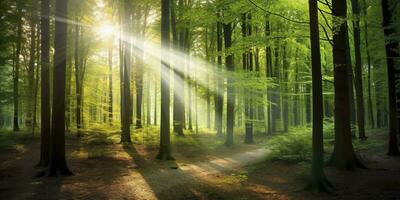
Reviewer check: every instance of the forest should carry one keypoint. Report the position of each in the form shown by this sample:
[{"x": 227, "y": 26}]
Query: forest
[{"x": 200, "y": 99}]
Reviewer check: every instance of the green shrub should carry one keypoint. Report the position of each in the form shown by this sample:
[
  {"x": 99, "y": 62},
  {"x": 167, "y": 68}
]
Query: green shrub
[{"x": 294, "y": 146}]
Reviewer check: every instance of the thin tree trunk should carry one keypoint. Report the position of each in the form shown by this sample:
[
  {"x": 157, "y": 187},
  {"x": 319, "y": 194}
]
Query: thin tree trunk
[
  {"x": 268, "y": 68},
  {"x": 220, "y": 90},
  {"x": 230, "y": 111},
  {"x": 370, "y": 108},
  {"x": 16, "y": 69},
  {"x": 358, "y": 71},
  {"x": 110, "y": 86},
  {"x": 77, "y": 82}
]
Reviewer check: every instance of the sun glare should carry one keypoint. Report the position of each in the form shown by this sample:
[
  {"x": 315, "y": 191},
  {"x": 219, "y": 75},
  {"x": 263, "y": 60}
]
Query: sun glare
[{"x": 106, "y": 30}]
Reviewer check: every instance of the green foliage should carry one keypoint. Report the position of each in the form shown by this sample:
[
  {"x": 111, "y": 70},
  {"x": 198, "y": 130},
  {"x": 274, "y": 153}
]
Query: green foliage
[{"x": 293, "y": 147}]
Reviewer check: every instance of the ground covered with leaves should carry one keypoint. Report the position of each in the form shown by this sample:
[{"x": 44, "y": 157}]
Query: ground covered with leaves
[{"x": 204, "y": 169}]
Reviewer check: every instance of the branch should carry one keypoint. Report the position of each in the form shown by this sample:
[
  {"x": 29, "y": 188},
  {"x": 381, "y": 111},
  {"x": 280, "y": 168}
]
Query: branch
[{"x": 279, "y": 15}]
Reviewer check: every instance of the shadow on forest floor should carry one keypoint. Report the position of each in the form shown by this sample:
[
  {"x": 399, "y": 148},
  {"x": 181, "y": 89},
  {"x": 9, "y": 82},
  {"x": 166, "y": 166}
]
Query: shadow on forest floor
[{"x": 106, "y": 170}]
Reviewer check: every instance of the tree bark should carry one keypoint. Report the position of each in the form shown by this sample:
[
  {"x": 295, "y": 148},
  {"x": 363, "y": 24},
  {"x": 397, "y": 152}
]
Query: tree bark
[
  {"x": 110, "y": 86},
  {"x": 179, "y": 96},
  {"x": 343, "y": 156},
  {"x": 229, "y": 61},
  {"x": 58, "y": 162},
  {"x": 126, "y": 97},
  {"x": 220, "y": 90},
  {"x": 45, "y": 84},
  {"x": 318, "y": 178},
  {"x": 268, "y": 68},
  {"x": 165, "y": 143},
  {"x": 392, "y": 53},
  {"x": 16, "y": 68},
  {"x": 370, "y": 108},
  {"x": 358, "y": 70}
]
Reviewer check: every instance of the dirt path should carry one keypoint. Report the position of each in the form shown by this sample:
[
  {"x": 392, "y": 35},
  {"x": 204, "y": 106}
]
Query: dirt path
[{"x": 131, "y": 172}]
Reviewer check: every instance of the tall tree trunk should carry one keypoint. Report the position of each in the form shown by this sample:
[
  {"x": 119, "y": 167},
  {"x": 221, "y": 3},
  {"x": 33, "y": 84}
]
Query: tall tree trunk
[
  {"x": 229, "y": 61},
  {"x": 77, "y": 82},
  {"x": 45, "y": 84},
  {"x": 36, "y": 87},
  {"x": 139, "y": 89},
  {"x": 248, "y": 67},
  {"x": 220, "y": 90},
  {"x": 31, "y": 70},
  {"x": 308, "y": 103},
  {"x": 358, "y": 71},
  {"x": 275, "y": 104},
  {"x": 318, "y": 178},
  {"x": 370, "y": 108},
  {"x": 268, "y": 69},
  {"x": 155, "y": 104},
  {"x": 179, "y": 96},
  {"x": 126, "y": 97},
  {"x": 350, "y": 79},
  {"x": 58, "y": 163},
  {"x": 343, "y": 156},
  {"x": 110, "y": 86},
  {"x": 16, "y": 69},
  {"x": 165, "y": 143},
  {"x": 392, "y": 54},
  {"x": 286, "y": 90}
]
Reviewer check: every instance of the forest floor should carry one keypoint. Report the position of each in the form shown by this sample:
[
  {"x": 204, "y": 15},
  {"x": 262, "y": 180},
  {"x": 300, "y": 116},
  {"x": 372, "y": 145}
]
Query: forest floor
[{"x": 203, "y": 169}]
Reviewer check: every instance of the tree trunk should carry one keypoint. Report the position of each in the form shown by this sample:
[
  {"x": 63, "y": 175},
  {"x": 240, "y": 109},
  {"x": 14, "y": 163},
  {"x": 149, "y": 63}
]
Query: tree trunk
[
  {"x": 318, "y": 178},
  {"x": 247, "y": 67},
  {"x": 77, "y": 82},
  {"x": 165, "y": 144},
  {"x": 230, "y": 110},
  {"x": 268, "y": 68},
  {"x": 220, "y": 90},
  {"x": 16, "y": 69},
  {"x": 45, "y": 84},
  {"x": 58, "y": 163},
  {"x": 392, "y": 53},
  {"x": 126, "y": 97},
  {"x": 370, "y": 108},
  {"x": 31, "y": 71},
  {"x": 358, "y": 71},
  {"x": 179, "y": 96},
  {"x": 110, "y": 86},
  {"x": 343, "y": 156},
  {"x": 286, "y": 90}
]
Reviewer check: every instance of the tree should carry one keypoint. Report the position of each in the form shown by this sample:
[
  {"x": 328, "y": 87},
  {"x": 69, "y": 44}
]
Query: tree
[
  {"x": 45, "y": 84},
  {"x": 110, "y": 86},
  {"x": 58, "y": 163},
  {"x": 165, "y": 146},
  {"x": 126, "y": 92},
  {"x": 343, "y": 156},
  {"x": 219, "y": 103},
  {"x": 78, "y": 84},
  {"x": 179, "y": 96},
  {"x": 318, "y": 179},
  {"x": 268, "y": 72},
  {"x": 229, "y": 61},
  {"x": 367, "y": 51},
  {"x": 247, "y": 60},
  {"x": 358, "y": 71},
  {"x": 392, "y": 54},
  {"x": 17, "y": 65}
]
